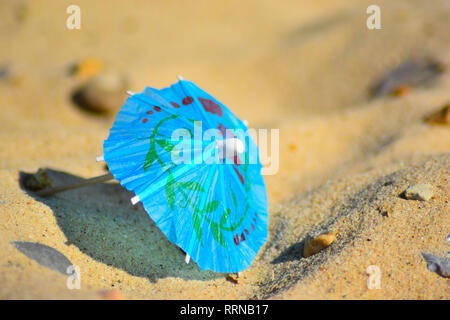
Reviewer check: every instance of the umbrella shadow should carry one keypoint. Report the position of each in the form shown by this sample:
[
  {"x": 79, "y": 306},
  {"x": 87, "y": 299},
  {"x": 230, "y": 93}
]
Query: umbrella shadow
[{"x": 101, "y": 221}]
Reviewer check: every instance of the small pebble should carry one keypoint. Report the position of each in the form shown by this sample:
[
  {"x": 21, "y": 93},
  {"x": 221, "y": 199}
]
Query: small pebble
[
  {"x": 441, "y": 116},
  {"x": 411, "y": 73},
  {"x": 112, "y": 294},
  {"x": 436, "y": 264},
  {"x": 421, "y": 191},
  {"x": 314, "y": 245},
  {"x": 104, "y": 93},
  {"x": 401, "y": 91},
  {"x": 233, "y": 277},
  {"x": 38, "y": 181},
  {"x": 86, "y": 68}
]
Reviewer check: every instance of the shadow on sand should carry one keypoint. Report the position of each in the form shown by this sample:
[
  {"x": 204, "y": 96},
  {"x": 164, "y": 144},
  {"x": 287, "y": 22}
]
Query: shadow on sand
[{"x": 101, "y": 221}]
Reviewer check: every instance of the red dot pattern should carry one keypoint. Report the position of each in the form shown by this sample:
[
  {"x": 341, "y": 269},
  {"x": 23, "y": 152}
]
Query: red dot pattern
[
  {"x": 211, "y": 107},
  {"x": 187, "y": 100},
  {"x": 238, "y": 239},
  {"x": 208, "y": 105},
  {"x": 237, "y": 160},
  {"x": 175, "y": 105}
]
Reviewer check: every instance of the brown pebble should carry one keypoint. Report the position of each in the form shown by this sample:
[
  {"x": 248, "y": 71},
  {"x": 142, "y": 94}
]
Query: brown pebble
[
  {"x": 38, "y": 181},
  {"x": 441, "y": 116},
  {"x": 112, "y": 294},
  {"x": 314, "y": 245},
  {"x": 232, "y": 277},
  {"x": 103, "y": 93},
  {"x": 401, "y": 91},
  {"x": 87, "y": 68}
]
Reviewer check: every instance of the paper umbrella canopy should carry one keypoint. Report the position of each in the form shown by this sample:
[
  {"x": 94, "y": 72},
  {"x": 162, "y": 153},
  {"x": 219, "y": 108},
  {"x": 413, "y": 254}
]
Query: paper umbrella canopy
[{"x": 192, "y": 164}]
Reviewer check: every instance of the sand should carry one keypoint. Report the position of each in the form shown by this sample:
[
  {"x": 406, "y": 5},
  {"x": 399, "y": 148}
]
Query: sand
[{"x": 305, "y": 68}]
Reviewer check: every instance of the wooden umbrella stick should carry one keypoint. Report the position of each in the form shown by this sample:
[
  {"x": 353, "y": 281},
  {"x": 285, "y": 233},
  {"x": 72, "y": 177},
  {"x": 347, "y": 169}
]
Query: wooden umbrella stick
[{"x": 50, "y": 191}]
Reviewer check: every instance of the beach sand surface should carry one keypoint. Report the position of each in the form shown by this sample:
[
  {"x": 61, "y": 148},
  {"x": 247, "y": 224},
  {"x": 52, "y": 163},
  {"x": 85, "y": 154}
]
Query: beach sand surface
[{"x": 304, "y": 68}]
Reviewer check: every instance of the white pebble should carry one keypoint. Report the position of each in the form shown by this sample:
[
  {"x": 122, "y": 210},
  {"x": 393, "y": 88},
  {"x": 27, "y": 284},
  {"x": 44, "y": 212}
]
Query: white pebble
[{"x": 421, "y": 191}]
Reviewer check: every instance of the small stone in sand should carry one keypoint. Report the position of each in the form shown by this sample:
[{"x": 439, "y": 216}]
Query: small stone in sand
[
  {"x": 87, "y": 68},
  {"x": 436, "y": 264},
  {"x": 421, "y": 191},
  {"x": 441, "y": 116},
  {"x": 233, "y": 278},
  {"x": 401, "y": 91},
  {"x": 112, "y": 294},
  {"x": 314, "y": 245},
  {"x": 38, "y": 181},
  {"x": 103, "y": 93},
  {"x": 411, "y": 73}
]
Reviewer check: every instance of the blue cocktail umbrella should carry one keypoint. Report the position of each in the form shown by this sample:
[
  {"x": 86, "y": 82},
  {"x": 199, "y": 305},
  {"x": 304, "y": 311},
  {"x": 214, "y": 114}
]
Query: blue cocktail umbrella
[{"x": 192, "y": 164}]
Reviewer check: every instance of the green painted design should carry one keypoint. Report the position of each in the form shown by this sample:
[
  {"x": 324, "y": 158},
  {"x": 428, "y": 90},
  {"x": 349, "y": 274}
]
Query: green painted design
[
  {"x": 211, "y": 206},
  {"x": 150, "y": 158},
  {"x": 197, "y": 227},
  {"x": 170, "y": 192},
  {"x": 166, "y": 145},
  {"x": 192, "y": 185},
  {"x": 218, "y": 234},
  {"x": 225, "y": 216}
]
